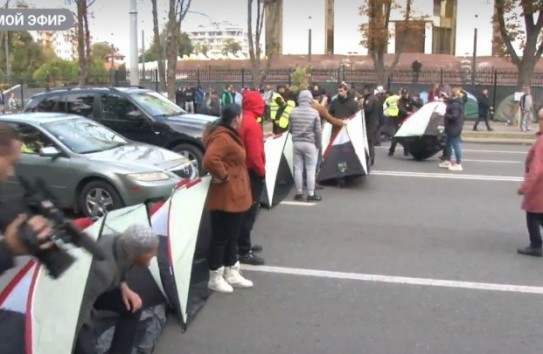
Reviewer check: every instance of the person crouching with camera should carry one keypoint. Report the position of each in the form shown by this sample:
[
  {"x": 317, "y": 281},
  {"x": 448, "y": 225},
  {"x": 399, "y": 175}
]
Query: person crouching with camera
[
  {"x": 12, "y": 217},
  {"x": 107, "y": 290},
  {"x": 229, "y": 198}
]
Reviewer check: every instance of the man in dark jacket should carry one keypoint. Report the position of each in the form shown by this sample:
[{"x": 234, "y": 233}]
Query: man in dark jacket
[
  {"x": 484, "y": 108},
  {"x": 107, "y": 290},
  {"x": 405, "y": 106},
  {"x": 454, "y": 123},
  {"x": 343, "y": 106},
  {"x": 372, "y": 108},
  {"x": 12, "y": 215}
]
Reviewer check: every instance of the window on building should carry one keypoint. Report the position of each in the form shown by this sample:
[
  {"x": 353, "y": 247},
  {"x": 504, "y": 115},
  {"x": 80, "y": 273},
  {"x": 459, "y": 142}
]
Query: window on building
[
  {"x": 437, "y": 7},
  {"x": 441, "y": 41}
]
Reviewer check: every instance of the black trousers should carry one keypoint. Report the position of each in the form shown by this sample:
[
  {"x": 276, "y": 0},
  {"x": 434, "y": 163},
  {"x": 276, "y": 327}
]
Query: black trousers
[
  {"x": 249, "y": 218},
  {"x": 125, "y": 329},
  {"x": 534, "y": 222},
  {"x": 394, "y": 140},
  {"x": 484, "y": 119},
  {"x": 225, "y": 229}
]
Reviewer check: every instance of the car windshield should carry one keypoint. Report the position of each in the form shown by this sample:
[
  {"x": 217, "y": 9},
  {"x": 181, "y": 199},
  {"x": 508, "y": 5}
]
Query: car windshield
[
  {"x": 83, "y": 136},
  {"x": 156, "y": 104}
]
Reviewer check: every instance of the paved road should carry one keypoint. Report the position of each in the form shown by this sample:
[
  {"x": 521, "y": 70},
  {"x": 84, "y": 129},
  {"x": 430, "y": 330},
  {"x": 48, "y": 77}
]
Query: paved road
[{"x": 414, "y": 263}]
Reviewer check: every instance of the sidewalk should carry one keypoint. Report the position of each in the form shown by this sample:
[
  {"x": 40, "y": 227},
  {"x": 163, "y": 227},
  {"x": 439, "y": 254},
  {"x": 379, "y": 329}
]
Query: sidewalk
[{"x": 501, "y": 134}]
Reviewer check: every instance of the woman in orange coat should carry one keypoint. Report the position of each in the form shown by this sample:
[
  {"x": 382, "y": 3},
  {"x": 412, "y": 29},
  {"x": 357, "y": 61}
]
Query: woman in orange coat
[{"x": 229, "y": 198}]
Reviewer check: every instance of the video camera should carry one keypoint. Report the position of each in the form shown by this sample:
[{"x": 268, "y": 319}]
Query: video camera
[{"x": 55, "y": 258}]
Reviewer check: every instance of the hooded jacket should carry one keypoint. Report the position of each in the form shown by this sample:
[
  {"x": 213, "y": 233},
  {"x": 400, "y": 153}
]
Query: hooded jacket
[
  {"x": 251, "y": 133},
  {"x": 305, "y": 124},
  {"x": 224, "y": 159}
]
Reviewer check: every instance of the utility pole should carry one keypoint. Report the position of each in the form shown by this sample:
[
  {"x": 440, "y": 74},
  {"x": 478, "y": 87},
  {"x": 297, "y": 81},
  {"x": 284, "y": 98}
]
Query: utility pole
[
  {"x": 309, "y": 40},
  {"x": 134, "y": 75},
  {"x": 474, "y": 60},
  {"x": 8, "y": 66},
  {"x": 143, "y": 53}
]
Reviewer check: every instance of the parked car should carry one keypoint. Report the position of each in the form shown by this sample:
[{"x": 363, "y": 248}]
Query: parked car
[
  {"x": 90, "y": 168},
  {"x": 137, "y": 114}
]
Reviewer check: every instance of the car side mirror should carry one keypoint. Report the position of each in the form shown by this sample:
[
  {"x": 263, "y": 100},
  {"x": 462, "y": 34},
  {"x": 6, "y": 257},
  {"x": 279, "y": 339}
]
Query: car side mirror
[
  {"x": 135, "y": 115},
  {"x": 49, "y": 151}
]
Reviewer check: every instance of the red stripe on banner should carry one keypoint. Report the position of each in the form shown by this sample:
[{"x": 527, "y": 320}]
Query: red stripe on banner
[
  {"x": 332, "y": 138},
  {"x": 28, "y": 315},
  {"x": 13, "y": 283},
  {"x": 83, "y": 223},
  {"x": 182, "y": 183},
  {"x": 193, "y": 182},
  {"x": 156, "y": 207}
]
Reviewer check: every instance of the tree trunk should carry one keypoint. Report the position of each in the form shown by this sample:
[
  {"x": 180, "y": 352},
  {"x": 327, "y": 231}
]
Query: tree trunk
[
  {"x": 83, "y": 68},
  {"x": 159, "y": 48},
  {"x": 525, "y": 72},
  {"x": 87, "y": 43},
  {"x": 172, "y": 49}
]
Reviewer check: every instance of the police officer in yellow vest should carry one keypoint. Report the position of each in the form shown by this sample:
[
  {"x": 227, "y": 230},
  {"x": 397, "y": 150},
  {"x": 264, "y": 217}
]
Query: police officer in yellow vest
[{"x": 282, "y": 117}]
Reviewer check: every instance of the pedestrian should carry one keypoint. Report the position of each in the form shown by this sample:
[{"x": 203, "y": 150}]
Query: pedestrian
[
  {"x": 305, "y": 127},
  {"x": 372, "y": 108},
  {"x": 343, "y": 107},
  {"x": 404, "y": 105},
  {"x": 228, "y": 201},
  {"x": 252, "y": 135},
  {"x": 526, "y": 108},
  {"x": 532, "y": 191},
  {"x": 454, "y": 122},
  {"x": 484, "y": 108}
]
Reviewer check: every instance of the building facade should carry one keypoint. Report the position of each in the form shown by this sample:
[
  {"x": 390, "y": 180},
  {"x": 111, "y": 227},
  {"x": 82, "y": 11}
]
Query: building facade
[
  {"x": 214, "y": 36},
  {"x": 64, "y": 43}
]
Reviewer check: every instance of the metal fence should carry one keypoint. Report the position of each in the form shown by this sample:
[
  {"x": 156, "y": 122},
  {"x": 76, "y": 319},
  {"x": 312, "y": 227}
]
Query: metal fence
[{"x": 499, "y": 82}]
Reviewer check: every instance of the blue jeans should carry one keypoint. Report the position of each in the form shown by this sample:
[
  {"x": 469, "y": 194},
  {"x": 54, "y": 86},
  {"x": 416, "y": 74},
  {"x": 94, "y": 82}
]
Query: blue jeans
[{"x": 453, "y": 143}]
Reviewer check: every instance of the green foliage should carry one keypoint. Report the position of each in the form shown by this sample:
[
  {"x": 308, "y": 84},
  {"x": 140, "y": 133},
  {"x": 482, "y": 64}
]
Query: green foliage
[
  {"x": 185, "y": 47},
  {"x": 25, "y": 56},
  {"x": 231, "y": 46},
  {"x": 300, "y": 79},
  {"x": 57, "y": 73}
]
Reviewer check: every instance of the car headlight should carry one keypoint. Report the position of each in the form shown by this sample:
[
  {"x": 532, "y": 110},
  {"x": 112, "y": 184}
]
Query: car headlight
[{"x": 149, "y": 176}]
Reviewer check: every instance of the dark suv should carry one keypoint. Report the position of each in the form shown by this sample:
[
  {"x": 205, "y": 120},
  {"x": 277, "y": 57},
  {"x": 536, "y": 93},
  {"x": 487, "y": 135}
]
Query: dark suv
[{"x": 138, "y": 114}]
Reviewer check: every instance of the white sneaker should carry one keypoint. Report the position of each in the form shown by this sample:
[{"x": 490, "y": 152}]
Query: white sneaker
[
  {"x": 445, "y": 164},
  {"x": 217, "y": 282},
  {"x": 456, "y": 167},
  {"x": 233, "y": 277}
]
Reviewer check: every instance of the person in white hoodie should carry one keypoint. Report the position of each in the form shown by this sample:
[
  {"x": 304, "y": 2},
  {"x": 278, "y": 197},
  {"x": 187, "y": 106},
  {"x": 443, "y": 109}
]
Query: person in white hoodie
[{"x": 305, "y": 127}]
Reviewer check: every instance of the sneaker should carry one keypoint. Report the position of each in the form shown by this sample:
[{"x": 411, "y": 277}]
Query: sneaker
[
  {"x": 456, "y": 168},
  {"x": 299, "y": 197},
  {"x": 234, "y": 277},
  {"x": 445, "y": 164},
  {"x": 218, "y": 283},
  {"x": 314, "y": 198},
  {"x": 530, "y": 251},
  {"x": 251, "y": 258}
]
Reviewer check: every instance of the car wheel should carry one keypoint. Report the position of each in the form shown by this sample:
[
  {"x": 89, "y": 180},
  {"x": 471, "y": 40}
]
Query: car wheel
[
  {"x": 97, "y": 197},
  {"x": 192, "y": 153}
]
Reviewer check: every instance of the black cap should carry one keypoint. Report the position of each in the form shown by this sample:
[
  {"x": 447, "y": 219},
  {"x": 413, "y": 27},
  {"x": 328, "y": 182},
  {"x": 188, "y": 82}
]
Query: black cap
[{"x": 230, "y": 112}]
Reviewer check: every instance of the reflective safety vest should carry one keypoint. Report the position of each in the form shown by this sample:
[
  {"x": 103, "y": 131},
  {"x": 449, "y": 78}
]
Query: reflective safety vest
[
  {"x": 284, "y": 120},
  {"x": 274, "y": 107},
  {"x": 391, "y": 108}
]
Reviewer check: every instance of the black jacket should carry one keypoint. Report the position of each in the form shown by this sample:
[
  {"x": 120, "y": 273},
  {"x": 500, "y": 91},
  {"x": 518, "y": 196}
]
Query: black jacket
[
  {"x": 484, "y": 106},
  {"x": 454, "y": 117},
  {"x": 372, "y": 109},
  {"x": 9, "y": 210},
  {"x": 343, "y": 107}
]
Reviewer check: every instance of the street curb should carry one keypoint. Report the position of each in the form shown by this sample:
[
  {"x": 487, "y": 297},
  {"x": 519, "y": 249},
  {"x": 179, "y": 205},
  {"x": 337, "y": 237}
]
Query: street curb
[{"x": 504, "y": 141}]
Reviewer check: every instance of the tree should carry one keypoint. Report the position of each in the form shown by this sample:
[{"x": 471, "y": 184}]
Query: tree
[
  {"x": 376, "y": 33},
  {"x": 159, "y": 53},
  {"x": 177, "y": 12},
  {"x": 185, "y": 47},
  {"x": 202, "y": 48},
  {"x": 520, "y": 21},
  {"x": 301, "y": 77},
  {"x": 255, "y": 36},
  {"x": 25, "y": 56},
  {"x": 231, "y": 46},
  {"x": 83, "y": 38},
  {"x": 57, "y": 73}
]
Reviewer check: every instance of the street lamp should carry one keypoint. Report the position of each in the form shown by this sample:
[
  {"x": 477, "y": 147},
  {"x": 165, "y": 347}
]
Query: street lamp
[
  {"x": 474, "y": 60},
  {"x": 309, "y": 40}
]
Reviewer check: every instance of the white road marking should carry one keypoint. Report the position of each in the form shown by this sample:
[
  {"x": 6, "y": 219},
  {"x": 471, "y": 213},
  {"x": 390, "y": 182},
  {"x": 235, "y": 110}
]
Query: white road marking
[
  {"x": 450, "y": 175},
  {"x": 494, "y": 161},
  {"x": 297, "y": 203},
  {"x": 523, "y": 289},
  {"x": 476, "y": 150}
]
